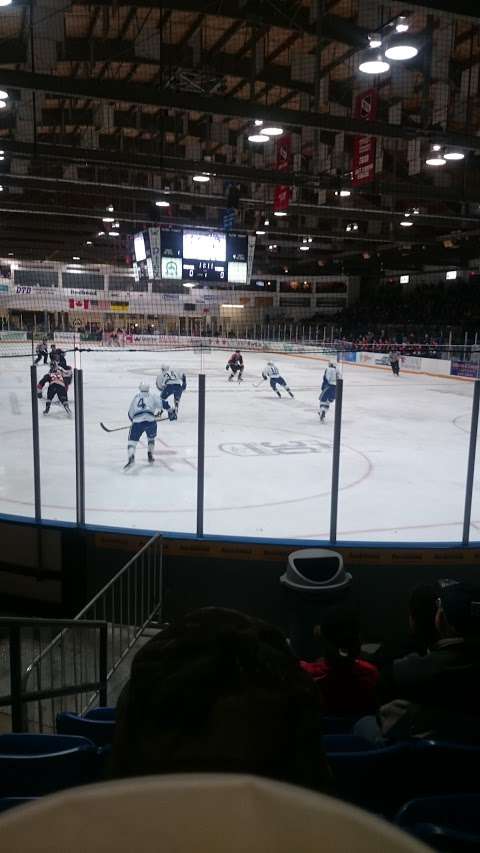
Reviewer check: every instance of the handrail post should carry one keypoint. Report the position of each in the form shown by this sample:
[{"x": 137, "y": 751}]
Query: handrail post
[
  {"x": 201, "y": 454},
  {"x": 16, "y": 678},
  {"x": 79, "y": 446},
  {"x": 103, "y": 666},
  {"x": 336, "y": 461},
  {"x": 471, "y": 462}
]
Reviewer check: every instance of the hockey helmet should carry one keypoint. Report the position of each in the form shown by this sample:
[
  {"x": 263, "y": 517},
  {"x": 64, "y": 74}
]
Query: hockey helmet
[
  {"x": 270, "y": 364},
  {"x": 164, "y": 368},
  {"x": 144, "y": 387}
]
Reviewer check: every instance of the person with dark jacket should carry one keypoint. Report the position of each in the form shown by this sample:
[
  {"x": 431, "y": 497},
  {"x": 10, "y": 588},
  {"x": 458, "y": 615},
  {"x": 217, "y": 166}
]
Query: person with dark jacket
[
  {"x": 437, "y": 694},
  {"x": 347, "y": 683},
  {"x": 220, "y": 692}
]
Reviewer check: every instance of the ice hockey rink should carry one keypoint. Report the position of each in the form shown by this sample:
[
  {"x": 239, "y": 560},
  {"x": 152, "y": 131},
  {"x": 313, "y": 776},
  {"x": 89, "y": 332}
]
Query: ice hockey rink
[{"x": 268, "y": 460}]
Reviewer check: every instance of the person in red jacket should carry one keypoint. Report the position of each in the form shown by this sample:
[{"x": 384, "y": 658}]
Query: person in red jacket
[
  {"x": 346, "y": 682},
  {"x": 235, "y": 365}
]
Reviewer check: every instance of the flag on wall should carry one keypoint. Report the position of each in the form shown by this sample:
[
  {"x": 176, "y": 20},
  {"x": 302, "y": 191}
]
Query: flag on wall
[
  {"x": 284, "y": 157},
  {"x": 364, "y": 147},
  {"x": 79, "y": 304}
]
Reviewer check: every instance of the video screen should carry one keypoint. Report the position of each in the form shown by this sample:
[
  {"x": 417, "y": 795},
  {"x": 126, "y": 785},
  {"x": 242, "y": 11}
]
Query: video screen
[
  {"x": 237, "y": 272},
  {"x": 139, "y": 244},
  {"x": 171, "y": 242},
  {"x": 204, "y": 246},
  {"x": 237, "y": 247}
]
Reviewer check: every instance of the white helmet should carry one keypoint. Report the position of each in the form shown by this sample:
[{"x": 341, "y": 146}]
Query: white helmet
[{"x": 144, "y": 387}]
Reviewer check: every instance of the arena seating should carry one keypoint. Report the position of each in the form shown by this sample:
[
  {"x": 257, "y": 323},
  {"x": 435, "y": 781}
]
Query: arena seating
[
  {"x": 98, "y": 725},
  {"x": 446, "y": 823},
  {"x": 32, "y": 765}
]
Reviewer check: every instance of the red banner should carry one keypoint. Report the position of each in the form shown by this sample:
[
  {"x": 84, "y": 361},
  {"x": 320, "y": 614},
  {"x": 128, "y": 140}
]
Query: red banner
[
  {"x": 284, "y": 157},
  {"x": 364, "y": 147}
]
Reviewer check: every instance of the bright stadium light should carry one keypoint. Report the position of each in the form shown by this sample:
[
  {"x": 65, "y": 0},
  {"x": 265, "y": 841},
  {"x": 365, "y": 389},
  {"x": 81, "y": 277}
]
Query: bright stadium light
[
  {"x": 188, "y": 283},
  {"x": 108, "y": 219},
  {"x": 3, "y": 95},
  {"x": 343, "y": 193},
  {"x": 304, "y": 248},
  {"x": 162, "y": 202},
  {"x": 406, "y": 223},
  {"x": 375, "y": 40},
  {"x": 373, "y": 63},
  {"x": 280, "y": 213},
  {"x": 5, "y": 2},
  {"x": 259, "y": 232},
  {"x": 436, "y": 158},
  {"x": 400, "y": 48},
  {"x": 201, "y": 179},
  {"x": 3, "y": 105},
  {"x": 258, "y": 122},
  {"x": 454, "y": 154},
  {"x": 114, "y": 234},
  {"x": 272, "y": 130},
  {"x": 259, "y": 138}
]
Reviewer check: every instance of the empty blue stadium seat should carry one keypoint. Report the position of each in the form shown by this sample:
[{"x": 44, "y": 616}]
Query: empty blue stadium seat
[
  {"x": 106, "y": 714},
  {"x": 372, "y": 778},
  {"x": 345, "y": 743},
  {"x": 32, "y": 765},
  {"x": 449, "y": 822},
  {"x": 100, "y": 731},
  {"x": 332, "y": 725}
]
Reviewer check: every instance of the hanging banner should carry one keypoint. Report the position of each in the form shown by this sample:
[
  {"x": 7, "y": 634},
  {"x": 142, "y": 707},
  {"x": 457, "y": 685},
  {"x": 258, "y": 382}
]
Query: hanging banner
[
  {"x": 364, "y": 147},
  {"x": 79, "y": 304},
  {"x": 284, "y": 156}
]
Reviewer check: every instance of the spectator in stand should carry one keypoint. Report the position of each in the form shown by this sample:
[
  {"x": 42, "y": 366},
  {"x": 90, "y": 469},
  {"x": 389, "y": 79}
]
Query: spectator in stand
[
  {"x": 422, "y": 635},
  {"x": 347, "y": 683},
  {"x": 437, "y": 694},
  {"x": 220, "y": 691}
]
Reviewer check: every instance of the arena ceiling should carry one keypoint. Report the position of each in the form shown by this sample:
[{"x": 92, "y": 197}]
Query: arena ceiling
[{"x": 124, "y": 103}]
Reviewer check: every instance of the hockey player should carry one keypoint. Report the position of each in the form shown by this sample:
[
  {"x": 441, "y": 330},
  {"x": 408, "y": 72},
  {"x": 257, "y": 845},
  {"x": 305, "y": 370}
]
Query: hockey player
[
  {"x": 142, "y": 411},
  {"x": 42, "y": 352},
  {"x": 329, "y": 389},
  {"x": 394, "y": 359},
  {"x": 57, "y": 356},
  {"x": 272, "y": 372},
  {"x": 170, "y": 383},
  {"x": 56, "y": 388},
  {"x": 235, "y": 365}
]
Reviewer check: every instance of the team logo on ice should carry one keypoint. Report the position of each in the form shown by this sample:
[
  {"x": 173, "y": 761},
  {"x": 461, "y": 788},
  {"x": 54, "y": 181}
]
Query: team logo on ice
[{"x": 269, "y": 448}]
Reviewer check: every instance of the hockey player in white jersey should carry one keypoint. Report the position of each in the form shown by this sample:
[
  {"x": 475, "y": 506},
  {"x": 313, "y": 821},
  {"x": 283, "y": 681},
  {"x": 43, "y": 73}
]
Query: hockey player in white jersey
[
  {"x": 329, "y": 388},
  {"x": 142, "y": 412},
  {"x": 171, "y": 383},
  {"x": 271, "y": 371}
]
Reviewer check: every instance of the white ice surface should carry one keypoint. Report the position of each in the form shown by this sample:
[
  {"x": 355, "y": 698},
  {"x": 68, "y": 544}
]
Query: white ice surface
[{"x": 268, "y": 461}]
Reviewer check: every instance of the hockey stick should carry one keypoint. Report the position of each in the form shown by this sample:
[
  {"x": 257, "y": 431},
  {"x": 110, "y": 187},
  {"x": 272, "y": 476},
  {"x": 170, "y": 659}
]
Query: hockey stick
[
  {"x": 257, "y": 384},
  {"x": 118, "y": 429}
]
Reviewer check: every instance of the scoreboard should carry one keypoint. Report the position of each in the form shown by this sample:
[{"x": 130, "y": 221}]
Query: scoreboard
[{"x": 188, "y": 254}]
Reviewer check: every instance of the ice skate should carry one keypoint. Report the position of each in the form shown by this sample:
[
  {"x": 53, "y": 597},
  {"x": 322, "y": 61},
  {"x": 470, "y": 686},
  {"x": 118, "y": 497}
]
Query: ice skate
[
  {"x": 150, "y": 457},
  {"x": 130, "y": 463},
  {"x": 322, "y": 415}
]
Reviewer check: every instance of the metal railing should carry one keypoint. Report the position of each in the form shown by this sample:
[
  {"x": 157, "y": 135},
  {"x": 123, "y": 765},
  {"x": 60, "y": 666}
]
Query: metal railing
[
  {"x": 127, "y": 604},
  {"x": 24, "y": 635}
]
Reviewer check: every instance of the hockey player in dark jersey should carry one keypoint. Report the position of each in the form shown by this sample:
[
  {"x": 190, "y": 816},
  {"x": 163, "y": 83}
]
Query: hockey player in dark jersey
[
  {"x": 57, "y": 356},
  {"x": 235, "y": 365},
  {"x": 56, "y": 388}
]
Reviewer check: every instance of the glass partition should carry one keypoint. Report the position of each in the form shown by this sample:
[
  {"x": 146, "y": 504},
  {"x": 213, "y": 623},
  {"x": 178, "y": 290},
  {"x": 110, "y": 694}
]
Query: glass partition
[
  {"x": 268, "y": 461},
  {"x": 16, "y": 437},
  {"x": 153, "y": 496},
  {"x": 403, "y": 456}
]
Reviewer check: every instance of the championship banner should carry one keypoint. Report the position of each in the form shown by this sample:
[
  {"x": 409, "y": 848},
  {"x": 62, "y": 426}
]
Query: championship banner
[
  {"x": 364, "y": 147},
  {"x": 284, "y": 155}
]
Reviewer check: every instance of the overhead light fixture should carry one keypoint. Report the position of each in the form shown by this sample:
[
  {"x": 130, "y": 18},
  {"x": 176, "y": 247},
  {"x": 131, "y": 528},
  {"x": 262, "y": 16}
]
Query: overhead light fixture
[
  {"x": 3, "y": 95},
  {"x": 435, "y": 158},
  {"x": 10, "y": 254},
  {"x": 266, "y": 222},
  {"x": 201, "y": 179},
  {"x": 355, "y": 226},
  {"x": 110, "y": 208},
  {"x": 5, "y": 2},
  {"x": 1, "y": 189},
  {"x": 272, "y": 130},
  {"x": 401, "y": 26},
  {"x": 280, "y": 213},
  {"x": 75, "y": 258},
  {"x": 373, "y": 63},
  {"x": 259, "y": 232},
  {"x": 114, "y": 234},
  {"x": 101, "y": 234},
  {"x": 310, "y": 239},
  {"x": 188, "y": 283},
  {"x": 2, "y": 153},
  {"x": 108, "y": 219},
  {"x": 258, "y": 137},
  {"x": 3, "y": 104},
  {"x": 89, "y": 243},
  {"x": 343, "y": 193},
  {"x": 304, "y": 248},
  {"x": 406, "y": 223},
  {"x": 231, "y": 305},
  {"x": 454, "y": 154},
  {"x": 375, "y": 40},
  {"x": 116, "y": 225},
  {"x": 258, "y": 122},
  {"x": 348, "y": 227},
  {"x": 162, "y": 202},
  {"x": 401, "y": 47}
]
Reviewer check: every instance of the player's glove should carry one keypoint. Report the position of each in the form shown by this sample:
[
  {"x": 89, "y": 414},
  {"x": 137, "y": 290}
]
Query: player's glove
[{"x": 227, "y": 367}]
